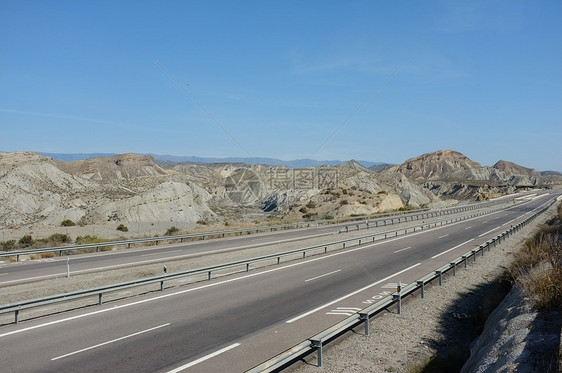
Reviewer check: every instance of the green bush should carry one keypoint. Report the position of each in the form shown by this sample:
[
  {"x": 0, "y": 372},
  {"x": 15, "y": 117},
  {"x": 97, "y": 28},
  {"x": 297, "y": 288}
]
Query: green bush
[
  {"x": 122, "y": 228},
  {"x": 59, "y": 238},
  {"x": 26, "y": 241},
  {"x": 172, "y": 231},
  {"x": 9, "y": 245},
  {"x": 344, "y": 202},
  {"x": 67, "y": 223}
]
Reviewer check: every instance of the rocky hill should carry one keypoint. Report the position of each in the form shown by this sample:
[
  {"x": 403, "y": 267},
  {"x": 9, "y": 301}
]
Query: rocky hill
[
  {"x": 450, "y": 174},
  {"x": 132, "y": 188},
  {"x": 439, "y": 165}
]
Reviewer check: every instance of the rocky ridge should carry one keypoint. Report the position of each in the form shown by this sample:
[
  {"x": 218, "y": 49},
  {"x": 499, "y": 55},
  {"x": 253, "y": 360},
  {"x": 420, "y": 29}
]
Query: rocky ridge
[{"x": 131, "y": 188}]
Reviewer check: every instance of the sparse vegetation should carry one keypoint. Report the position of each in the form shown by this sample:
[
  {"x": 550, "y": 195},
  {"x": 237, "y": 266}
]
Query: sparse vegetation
[
  {"x": 67, "y": 223},
  {"x": 311, "y": 205},
  {"x": 202, "y": 222},
  {"x": 26, "y": 241},
  {"x": 122, "y": 228},
  {"x": 9, "y": 245},
  {"x": 537, "y": 267},
  {"x": 344, "y": 202},
  {"x": 171, "y": 231}
]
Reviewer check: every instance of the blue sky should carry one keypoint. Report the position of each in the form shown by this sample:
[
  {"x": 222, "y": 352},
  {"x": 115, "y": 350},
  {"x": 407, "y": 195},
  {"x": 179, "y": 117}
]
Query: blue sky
[{"x": 279, "y": 77}]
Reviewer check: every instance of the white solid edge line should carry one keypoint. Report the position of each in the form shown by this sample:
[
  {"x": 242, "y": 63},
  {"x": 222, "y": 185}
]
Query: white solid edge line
[
  {"x": 108, "y": 342},
  {"x": 491, "y": 230},
  {"x": 200, "y": 360},
  {"x": 167, "y": 252},
  {"x": 452, "y": 248},
  {"x": 325, "y": 274},
  {"x": 445, "y": 235},
  {"x": 348, "y": 295}
]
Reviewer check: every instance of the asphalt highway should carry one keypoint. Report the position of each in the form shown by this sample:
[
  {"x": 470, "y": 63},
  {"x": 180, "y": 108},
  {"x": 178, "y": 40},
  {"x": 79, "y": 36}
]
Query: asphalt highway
[
  {"x": 37, "y": 270},
  {"x": 233, "y": 323}
]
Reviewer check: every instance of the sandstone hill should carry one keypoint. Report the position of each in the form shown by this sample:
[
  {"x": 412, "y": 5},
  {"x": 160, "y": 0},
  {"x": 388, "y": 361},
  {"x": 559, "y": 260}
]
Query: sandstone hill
[{"x": 131, "y": 188}]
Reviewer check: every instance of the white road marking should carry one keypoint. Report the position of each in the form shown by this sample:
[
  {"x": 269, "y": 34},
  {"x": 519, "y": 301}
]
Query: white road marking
[
  {"x": 468, "y": 227},
  {"x": 491, "y": 230},
  {"x": 508, "y": 222},
  {"x": 167, "y": 252},
  {"x": 230, "y": 280},
  {"x": 445, "y": 235},
  {"x": 347, "y": 311},
  {"x": 406, "y": 248},
  {"x": 326, "y": 274},
  {"x": 348, "y": 295},
  {"x": 484, "y": 222},
  {"x": 393, "y": 285},
  {"x": 108, "y": 342},
  {"x": 452, "y": 248},
  {"x": 200, "y": 360}
]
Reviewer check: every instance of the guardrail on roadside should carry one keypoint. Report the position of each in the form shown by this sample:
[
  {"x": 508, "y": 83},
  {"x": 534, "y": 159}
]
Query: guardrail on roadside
[
  {"x": 316, "y": 342},
  {"x": 16, "y": 307},
  {"x": 181, "y": 238},
  {"x": 203, "y": 235}
]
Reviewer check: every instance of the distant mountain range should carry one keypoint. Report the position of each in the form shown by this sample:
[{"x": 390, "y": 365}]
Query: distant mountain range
[{"x": 297, "y": 163}]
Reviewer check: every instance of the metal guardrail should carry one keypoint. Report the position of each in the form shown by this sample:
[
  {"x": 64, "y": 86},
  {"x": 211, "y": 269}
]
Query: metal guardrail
[
  {"x": 316, "y": 342},
  {"x": 155, "y": 240},
  {"x": 16, "y": 307}
]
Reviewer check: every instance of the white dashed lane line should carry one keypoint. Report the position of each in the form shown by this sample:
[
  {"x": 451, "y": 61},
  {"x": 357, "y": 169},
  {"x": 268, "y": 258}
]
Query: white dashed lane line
[
  {"x": 324, "y": 275},
  {"x": 406, "y": 248}
]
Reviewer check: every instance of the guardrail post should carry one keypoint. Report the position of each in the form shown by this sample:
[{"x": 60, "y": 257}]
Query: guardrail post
[
  {"x": 359, "y": 242},
  {"x": 365, "y": 317},
  {"x": 454, "y": 265},
  {"x": 474, "y": 255},
  {"x": 398, "y": 296},
  {"x": 17, "y": 314},
  {"x": 161, "y": 285},
  {"x": 494, "y": 242},
  {"x": 99, "y": 299},
  {"x": 325, "y": 249},
  {"x": 464, "y": 257},
  {"x": 278, "y": 259},
  {"x": 318, "y": 346},
  {"x": 482, "y": 250},
  {"x": 421, "y": 284},
  {"x": 344, "y": 245},
  {"x": 248, "y": 266},
  {"x": 209, "y": 275},
  {"x": 440, "y": 273},
  {"x": 304, "y": 254},
  {"x": 17, "y": 258}
]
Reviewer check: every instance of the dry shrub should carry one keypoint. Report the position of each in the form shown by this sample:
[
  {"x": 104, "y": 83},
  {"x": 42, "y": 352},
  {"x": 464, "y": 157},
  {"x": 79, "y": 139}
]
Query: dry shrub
[
  {"x": 49, "y": 254},
  {"x": 537, "y": 270}
]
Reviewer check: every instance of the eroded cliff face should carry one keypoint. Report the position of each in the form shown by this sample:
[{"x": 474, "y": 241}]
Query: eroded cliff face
[
  {"x": 133, "y": 188},
  {"x": 516, "y": 339}
]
